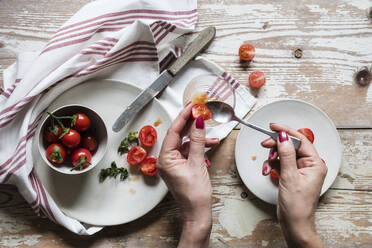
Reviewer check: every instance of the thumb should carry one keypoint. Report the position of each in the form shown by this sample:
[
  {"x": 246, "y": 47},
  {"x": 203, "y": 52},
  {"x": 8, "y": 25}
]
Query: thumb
[
  {"x": 287, "y": 154},
  {"x": 197, "y": 140}
]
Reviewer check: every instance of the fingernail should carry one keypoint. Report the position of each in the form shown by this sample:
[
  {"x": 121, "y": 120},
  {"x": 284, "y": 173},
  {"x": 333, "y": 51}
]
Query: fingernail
[
  {"x": 208, "y": 162},
  {"x": 199, "y": 122},
  {"x": 283, "y": 136},
  {"x": 215, "y": 139},
  {"x": 188, "y": 103},
  {"x": 265, "y": 170},
  {"x": 266, "y": 140},
  {"x": 272, "y": 155}
]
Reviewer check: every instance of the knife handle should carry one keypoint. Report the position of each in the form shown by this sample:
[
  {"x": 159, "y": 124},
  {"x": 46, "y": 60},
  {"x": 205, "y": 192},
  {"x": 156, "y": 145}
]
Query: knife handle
[{"x": 197, "y": 45}]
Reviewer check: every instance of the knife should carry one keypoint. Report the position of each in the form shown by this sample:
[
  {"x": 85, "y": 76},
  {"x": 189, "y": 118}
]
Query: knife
[{"x": 196, "y": 46}]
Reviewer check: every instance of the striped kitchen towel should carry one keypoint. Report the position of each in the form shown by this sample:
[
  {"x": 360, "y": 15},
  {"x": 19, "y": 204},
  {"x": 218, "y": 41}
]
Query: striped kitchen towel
[{"x": 130, "y": 41}]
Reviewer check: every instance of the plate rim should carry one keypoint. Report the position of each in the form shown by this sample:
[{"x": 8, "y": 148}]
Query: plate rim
[
  {"x": 302, "y": 102},
  {"x": 166, "y": 187}
]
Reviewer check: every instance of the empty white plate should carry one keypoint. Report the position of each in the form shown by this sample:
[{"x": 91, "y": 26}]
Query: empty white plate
[
  {"x": 250, "y": 155},
  {"x": 113, "y": 201}
]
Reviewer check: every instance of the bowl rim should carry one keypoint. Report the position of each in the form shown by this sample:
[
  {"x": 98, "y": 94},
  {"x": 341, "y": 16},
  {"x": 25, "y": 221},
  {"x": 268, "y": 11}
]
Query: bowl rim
[{"x": 40, "y": 139}]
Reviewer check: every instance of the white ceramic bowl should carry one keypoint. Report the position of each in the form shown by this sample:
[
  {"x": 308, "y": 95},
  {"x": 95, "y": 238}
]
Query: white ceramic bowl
[{"x": 97, "y": 128}]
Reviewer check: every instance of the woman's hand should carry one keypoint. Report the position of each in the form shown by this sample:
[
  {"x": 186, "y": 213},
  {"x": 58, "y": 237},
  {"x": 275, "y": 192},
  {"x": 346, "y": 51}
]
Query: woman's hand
[
  {"x": 300, "y": 184},
  {"x": 184, "y": 170}
]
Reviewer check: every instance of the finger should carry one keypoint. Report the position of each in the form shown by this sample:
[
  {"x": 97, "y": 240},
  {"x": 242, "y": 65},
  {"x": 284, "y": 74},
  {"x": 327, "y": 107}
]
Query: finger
[
  {"x": 207, "y": 161},
  {"x": 273, "y": 155},
  {"x": 287, "y": 154},
  {"x": 266, "y": 168},
  {"x": 197, "y": 141},
  {"x": 268, "y": 143},
  {"x": 306, "y": 148},
  {"x": 210, "y": 142},
  {"x": 173, "y": 139}
]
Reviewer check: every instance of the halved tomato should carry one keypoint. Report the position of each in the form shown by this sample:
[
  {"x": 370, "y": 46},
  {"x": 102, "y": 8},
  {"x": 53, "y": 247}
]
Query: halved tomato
[
  {"x": 136, "y": 155},
  {"x": 148, "y": 136},
  {"x": 308, "y": 133},
  {"x": 148, "y": 166},
  {"x": 246, "y": 52},
  {"x": 257, "y": 79},
  {"x": 201, "y": 109}
]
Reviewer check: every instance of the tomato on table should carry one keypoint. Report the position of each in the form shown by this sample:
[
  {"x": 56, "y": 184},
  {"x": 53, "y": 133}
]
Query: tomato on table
[
  {"x": 81, "y": 158},
  {"x": 257, "y": 79},
  {"x": 81, "y": 122},
  {"x": 52, "y": 134},
  {"x": 90, "y": 142},
  {"x": 71, "y": 139},
  {"x": 148, "y": 136},
  {"x": 308, "y": 133},
  {"x": 56, "y": 153},
  {"x": 201, "y": 109},
  {"x": 136, "y": 155},
  {"x": 246, "y": 52},
  {"x": 148, "y": 166}
]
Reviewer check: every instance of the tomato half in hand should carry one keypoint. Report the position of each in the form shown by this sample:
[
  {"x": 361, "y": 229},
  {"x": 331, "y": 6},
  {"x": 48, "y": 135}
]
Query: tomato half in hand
[
  {"x": 136, "y": 155},
  {"x": 56, "y": 153},
  {"x": 201, "y": 109},
  {"x": 148, "y": 136},
  {"x": 81, "y": 158},
  {"x": 274, "y": 174},
  {"x": 71, "y": 139},
  {"x": 246, "y": 52},
  {"x": 52, "y": 134},
  {"x": 148, "y": 166},
  {"x": 257, "y": 79},
  {"x": 82, "y": 122},
  {"x": 308, "y": 133},
  {"x": 90, "y": 142}
]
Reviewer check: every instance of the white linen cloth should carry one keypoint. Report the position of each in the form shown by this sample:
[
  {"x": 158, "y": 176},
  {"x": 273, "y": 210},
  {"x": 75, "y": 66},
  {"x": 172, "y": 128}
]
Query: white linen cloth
[{"x": 131, "y": 41}]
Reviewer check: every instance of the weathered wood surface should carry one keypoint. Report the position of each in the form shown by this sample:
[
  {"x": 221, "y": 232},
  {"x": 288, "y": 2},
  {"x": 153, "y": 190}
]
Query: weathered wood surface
[{"x": 336, "y": 39}]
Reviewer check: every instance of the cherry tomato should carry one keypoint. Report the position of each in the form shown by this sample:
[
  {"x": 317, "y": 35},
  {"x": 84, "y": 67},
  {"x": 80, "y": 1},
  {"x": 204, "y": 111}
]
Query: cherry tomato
[
  {"x": 81, "y": 158},
  {"x": 246, "y": 52},
  {"x": 56, "y": 153},
  {"x": 82, "y": 122},
  {"x": 90, "y": 142},
  {"x": 201, "y": 109},
  {"x": 148, "y": 166},
  {"x": 148, "y": 136},
  {"x": 71, "y": 139},
  {"x": 308, "y": 133},
  {"x": 52, "y": 134},
  {"x": 136, "y": 155},
  {"x": 274, "y": 174},
  {"x": 257, "y": 79}
]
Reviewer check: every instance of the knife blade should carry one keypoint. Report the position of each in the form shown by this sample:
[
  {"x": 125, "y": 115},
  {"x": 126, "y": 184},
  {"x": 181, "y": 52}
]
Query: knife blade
[{"x": 165, "y": 78}]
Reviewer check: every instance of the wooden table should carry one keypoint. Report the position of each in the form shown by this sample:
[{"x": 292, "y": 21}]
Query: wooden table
[{"x": 336, "y": 39}]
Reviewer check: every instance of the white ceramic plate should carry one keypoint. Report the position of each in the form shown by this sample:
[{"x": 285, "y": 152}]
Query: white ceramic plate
[
  {"x": 112, "y": 202},
  {"x": 296, "y": 114}
]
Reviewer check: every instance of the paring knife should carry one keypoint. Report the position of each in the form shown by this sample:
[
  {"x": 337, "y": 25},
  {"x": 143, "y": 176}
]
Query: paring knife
[{"x": 196, "y": 46}]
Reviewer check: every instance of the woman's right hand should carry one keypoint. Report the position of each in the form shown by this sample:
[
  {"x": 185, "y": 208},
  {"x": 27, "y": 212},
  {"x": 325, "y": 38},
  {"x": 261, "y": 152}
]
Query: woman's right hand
[{"x": 300, "y": 183}]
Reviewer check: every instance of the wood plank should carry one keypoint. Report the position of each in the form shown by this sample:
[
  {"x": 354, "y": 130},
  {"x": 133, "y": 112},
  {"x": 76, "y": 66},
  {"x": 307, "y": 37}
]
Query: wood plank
[{"x": 342, "y": 217}]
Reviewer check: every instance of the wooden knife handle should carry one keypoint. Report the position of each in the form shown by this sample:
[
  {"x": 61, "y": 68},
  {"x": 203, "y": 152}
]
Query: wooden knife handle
[{"x": 196, "y": 46}]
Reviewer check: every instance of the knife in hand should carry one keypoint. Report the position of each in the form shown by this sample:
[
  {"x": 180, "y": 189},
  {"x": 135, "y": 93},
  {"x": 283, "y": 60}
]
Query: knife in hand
[{"x": 196, "y": 46}]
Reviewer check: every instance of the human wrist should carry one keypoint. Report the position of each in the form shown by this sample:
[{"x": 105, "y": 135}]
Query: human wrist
[
  {"x": 302, "y": 234},
  {"x": 196, "y": 233}
]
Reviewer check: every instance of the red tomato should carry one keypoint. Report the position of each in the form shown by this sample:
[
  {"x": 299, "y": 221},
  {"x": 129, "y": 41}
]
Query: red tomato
[
  {"x": 51, "y": 135},
  {"x": 136, "y": 155},
  {"x": 71, "y": 139},
  {"x": 308, "y": 133},
  {"x": 82, "y": 122},
  {"x": 148, "y": 166},
  {"x": 201, "y": 109},
  {"x": 246, "y": 52},
  {"x": 274, "y": 174},
  {"x": 81, "y": 158},
  {"x": 90, "y": 142},
  {"x": 148, "y": 136},
  {"x": 56, "y": 153},
  {"x": 257, "y": 79}
]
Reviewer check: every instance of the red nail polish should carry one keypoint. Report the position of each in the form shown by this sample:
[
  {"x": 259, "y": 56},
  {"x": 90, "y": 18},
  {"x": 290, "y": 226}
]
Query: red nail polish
[
  {"x": 199, "y": 122},
  {"x": 272, "y": 154},
  {"x": 216, "y": 139},
  {"x": 188, "y": 103},
  {"x": 208, "y": 162},
  {"x": 266, "y": 140},
  {"x": 283, "y": 136},
  {"x": 264, "y": 170}
]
